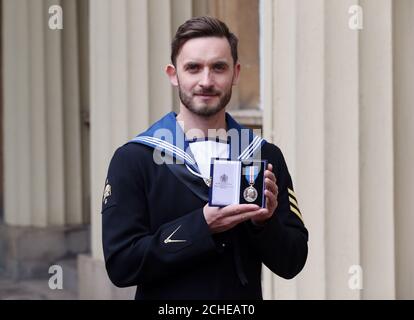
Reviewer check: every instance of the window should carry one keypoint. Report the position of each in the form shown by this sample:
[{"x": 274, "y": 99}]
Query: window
[{"x": 242, "y": 17}]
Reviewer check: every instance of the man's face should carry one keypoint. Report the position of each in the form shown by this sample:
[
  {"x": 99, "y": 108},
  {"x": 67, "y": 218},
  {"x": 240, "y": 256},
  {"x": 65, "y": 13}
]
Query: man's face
[{"x": 205, "y": 74}]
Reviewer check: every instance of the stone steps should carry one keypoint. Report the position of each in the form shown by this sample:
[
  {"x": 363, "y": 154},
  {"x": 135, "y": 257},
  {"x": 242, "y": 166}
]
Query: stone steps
[
  {"x": 38, "y": 289},
  {"x": 32, "y": 290}
]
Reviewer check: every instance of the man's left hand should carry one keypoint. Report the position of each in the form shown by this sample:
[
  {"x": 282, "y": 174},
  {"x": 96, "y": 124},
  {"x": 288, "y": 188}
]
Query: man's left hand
[{"x": 271, "y": 192}]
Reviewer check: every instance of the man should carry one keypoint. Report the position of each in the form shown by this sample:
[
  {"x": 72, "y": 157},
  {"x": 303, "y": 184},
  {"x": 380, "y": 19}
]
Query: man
[{"x": 159, "y": 233}]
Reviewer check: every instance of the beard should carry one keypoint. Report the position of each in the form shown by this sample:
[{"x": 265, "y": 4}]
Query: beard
[{"x": 204, "y": 109}]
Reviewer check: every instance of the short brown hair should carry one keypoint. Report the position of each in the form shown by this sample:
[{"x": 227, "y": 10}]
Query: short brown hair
[{"x": 202, "y": 27}]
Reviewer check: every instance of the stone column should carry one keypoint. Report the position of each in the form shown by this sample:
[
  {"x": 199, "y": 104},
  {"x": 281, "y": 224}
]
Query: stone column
[
  {"x": 129, "y": 49},
  {"x": 336, "y": 101},
  {"x": 341, "y": 130},
  {"x": 293, "y": 91},
  {"x": 403, "y": 30},
  {"x": 42, "y": 194},
  {"x": 376, "y": 162}
]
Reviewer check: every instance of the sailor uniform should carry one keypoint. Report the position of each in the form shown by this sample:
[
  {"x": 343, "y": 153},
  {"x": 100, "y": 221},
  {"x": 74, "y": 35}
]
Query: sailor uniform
[{"x": 155, "y": 235}]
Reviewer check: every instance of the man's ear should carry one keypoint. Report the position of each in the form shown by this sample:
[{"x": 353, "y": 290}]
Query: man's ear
[
  {"x": 236, "y": 75},
  {"x": 172, "y": 74}
]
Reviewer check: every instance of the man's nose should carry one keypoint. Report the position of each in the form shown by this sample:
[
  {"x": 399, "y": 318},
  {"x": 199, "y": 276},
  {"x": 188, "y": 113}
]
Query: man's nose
[{"x": 206, "y": 78}]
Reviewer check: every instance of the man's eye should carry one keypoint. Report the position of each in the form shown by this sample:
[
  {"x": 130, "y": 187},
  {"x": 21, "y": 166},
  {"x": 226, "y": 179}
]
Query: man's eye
[
  {"x": 220, "y": 67},
  {"x": 192, "y": 67}
]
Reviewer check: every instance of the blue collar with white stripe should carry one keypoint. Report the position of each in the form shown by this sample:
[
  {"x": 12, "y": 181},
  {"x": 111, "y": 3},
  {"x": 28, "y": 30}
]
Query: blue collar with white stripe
[{"x": 166, "y": 135}]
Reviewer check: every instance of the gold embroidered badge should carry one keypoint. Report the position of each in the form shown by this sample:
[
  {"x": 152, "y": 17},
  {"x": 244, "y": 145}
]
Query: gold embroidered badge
[{"x": 107, "y": 192}]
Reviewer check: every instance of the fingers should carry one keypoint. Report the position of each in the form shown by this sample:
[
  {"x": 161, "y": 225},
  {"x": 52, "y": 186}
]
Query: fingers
[
  {"x": 271, "y": 199},
  {"x": 270, "y": 175},
  {"x": 270, "y": 196},
  {"x": 271, "y": 186},
  {"x": 236, "y": 219},
  {"x": 237, "y": 209},
  {"x": 270, "y": 182},
  {"x": 272, "y": 190}
]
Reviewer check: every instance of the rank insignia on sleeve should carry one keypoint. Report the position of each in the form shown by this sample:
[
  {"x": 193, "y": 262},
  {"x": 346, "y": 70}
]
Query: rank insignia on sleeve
[
  {"x": 294, "y": 207},
  {"x": 107, "y": 192}
]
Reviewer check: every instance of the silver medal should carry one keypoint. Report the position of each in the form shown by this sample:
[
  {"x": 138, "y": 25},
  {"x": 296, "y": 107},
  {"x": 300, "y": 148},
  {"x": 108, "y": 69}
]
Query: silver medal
[{"x": 250, "y": 194}]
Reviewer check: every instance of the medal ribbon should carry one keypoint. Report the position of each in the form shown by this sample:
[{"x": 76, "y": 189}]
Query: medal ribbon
[{"x": 251, "y": 174}]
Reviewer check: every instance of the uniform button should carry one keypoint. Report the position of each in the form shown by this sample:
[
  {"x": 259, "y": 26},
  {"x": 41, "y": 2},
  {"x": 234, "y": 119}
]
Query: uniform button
[{"x": 223, "y": 245}]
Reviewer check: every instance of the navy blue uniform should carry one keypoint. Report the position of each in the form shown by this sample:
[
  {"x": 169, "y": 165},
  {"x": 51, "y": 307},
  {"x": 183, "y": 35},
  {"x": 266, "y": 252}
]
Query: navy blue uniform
[{"x": 146, "y": 205}]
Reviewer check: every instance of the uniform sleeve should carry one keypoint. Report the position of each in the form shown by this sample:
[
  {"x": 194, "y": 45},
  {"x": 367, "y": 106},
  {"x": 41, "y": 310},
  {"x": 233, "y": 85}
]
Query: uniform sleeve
[
  {"x": 282, "y": 241},
  {"x": 133, "y": 254}
]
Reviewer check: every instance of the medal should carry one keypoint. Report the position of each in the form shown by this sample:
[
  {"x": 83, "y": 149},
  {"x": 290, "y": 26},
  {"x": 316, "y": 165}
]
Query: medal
[{"x": 250, "y": 193}]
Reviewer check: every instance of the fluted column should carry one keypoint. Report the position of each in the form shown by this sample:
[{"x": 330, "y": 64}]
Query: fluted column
[
  {"x": 129, "y": 49},
  {"x": 377, "y": 151},
  {"x": 119, "y": 108},
  {"x": 72, "y": 126},
  {"x": 403, "y": 31},
  {"x": 130, "y": 45},
  {"x": 43, "y": 214},
  {"x": 294, "y": 87},
  {"x": 41, "y": 116},
  {"x": 329, "y": 94}
]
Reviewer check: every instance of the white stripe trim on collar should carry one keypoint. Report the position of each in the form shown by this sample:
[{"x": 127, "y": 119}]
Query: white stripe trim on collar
[
  {"x": 251, "y": 146},
  {"x": 248, "y": 147},
  {"x": 166, "y": 145},
  {"x": 254, "y": 148},
  {"x": 156, "y": 142},
  {"x": 195, "y": 173}
]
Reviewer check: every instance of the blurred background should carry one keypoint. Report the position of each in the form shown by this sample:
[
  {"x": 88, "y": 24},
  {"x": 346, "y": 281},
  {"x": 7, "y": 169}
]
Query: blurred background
[{"x": 329, "y": 82}]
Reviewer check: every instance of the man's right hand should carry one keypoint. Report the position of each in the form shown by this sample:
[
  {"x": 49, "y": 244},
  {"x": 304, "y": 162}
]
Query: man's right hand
[{"x": 225, "y": 218}]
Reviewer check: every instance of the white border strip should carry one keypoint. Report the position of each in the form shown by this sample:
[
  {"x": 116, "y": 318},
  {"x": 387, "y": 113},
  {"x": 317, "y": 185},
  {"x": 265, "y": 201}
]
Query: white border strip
[{"x": 166, "y": 145}]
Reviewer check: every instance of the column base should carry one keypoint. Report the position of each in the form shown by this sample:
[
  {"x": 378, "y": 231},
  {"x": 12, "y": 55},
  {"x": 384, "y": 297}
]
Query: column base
[
  {"x": 94, "y": 283},
  {"x": 28, "y": 252}
]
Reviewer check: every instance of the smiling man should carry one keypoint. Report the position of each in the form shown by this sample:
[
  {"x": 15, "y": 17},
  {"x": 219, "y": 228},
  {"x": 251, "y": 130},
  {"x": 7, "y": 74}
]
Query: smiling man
[
  {"x": 206, "y": 75},
  {"x": 159, "y": 233}
]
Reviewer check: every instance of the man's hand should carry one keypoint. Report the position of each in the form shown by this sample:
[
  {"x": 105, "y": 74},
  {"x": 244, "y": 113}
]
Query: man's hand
[
  {"x": 271, "y": 192},
  {"x": 223, "y": 219}
]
